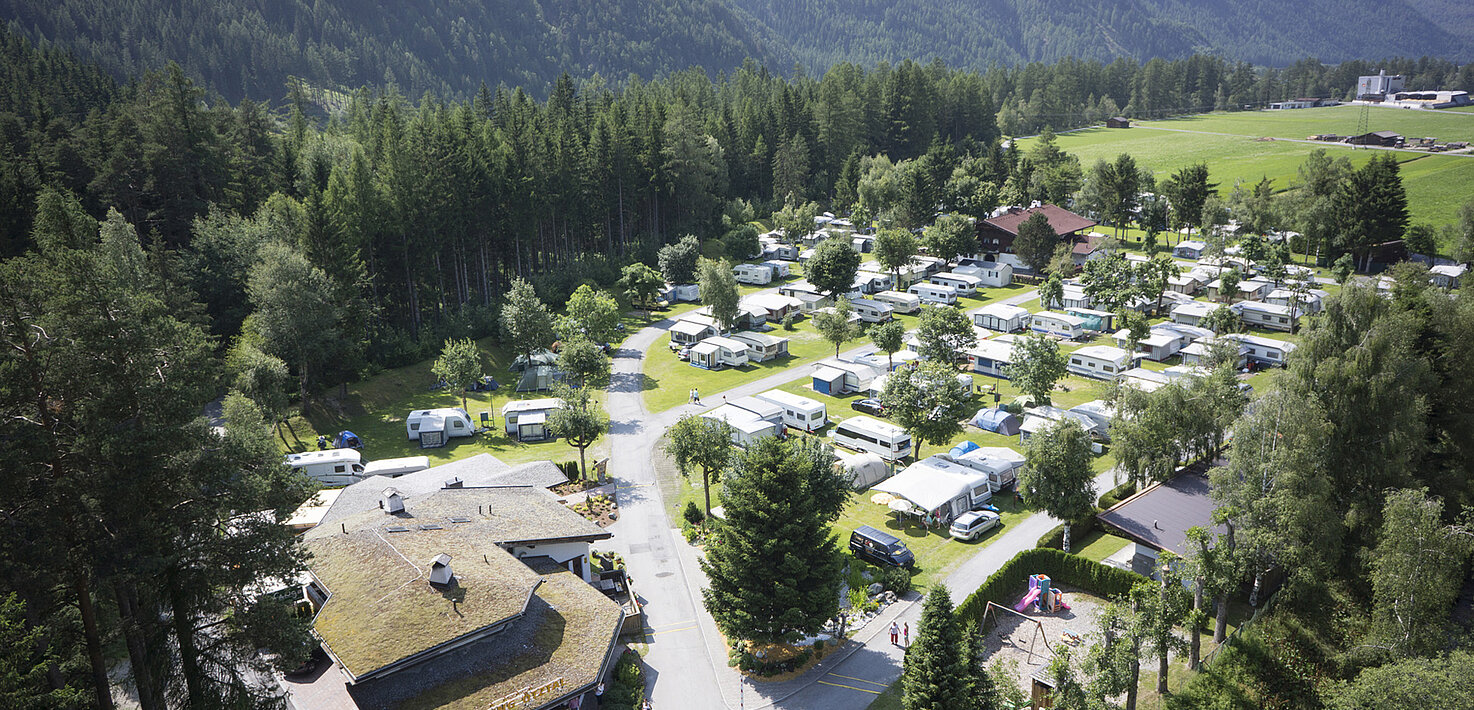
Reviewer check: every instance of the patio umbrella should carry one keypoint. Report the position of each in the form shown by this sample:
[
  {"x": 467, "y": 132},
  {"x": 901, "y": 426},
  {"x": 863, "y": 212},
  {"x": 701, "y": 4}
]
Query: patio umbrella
[
  {"x": 901, "y": 505},
  {"x": 882, "y": 498}
]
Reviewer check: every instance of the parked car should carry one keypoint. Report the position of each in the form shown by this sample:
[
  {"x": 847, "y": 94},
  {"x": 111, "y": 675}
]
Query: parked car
[
  {"x": 880, "y": 548},
  {"x": 869, "y": 406},
  {"x": 683, "y": 354},
  {"x": 971, "y": 524}
]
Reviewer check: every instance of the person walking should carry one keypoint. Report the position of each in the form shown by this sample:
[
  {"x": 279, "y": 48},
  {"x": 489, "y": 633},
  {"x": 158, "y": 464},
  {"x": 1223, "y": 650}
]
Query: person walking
[
  {"x": 906, "y": 635},
  {"x": 895, "y": 631},
  {"x": 696, "y": 393}
]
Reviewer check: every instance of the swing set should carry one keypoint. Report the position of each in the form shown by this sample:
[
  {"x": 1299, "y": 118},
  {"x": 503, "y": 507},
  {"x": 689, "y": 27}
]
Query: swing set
[{"x": 1038, "y": 628}]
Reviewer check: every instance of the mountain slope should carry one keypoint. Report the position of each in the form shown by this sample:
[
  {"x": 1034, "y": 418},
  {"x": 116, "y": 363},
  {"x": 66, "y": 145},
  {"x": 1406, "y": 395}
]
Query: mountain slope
[{"x": 251, "y": 47}]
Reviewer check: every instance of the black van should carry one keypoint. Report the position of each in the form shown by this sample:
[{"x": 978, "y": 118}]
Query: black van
[{"x": 881, "y": 548}]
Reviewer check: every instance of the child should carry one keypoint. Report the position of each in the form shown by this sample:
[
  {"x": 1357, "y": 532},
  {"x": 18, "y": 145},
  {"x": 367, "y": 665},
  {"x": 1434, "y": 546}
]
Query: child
[{"x": 906, "y": 634}]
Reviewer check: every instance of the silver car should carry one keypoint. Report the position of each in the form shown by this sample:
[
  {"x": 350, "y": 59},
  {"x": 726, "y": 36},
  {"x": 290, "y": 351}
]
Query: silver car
[{"x": 973, "y": 523}]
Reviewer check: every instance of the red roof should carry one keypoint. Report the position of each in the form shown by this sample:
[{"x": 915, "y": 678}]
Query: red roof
[
  {"x": 1087, "y": 245},
  {"x": 1062, "y": 220}
]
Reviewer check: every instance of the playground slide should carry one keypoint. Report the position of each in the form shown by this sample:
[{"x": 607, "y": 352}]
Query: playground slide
[
  {"x": 1063, "y": 605},
  {"x": 1028, "y": 599}
]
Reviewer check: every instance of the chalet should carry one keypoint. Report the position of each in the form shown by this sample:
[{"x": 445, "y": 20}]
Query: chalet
[
  {"x": 457, "y": 595},
  {"x": 996, "y": 234}
]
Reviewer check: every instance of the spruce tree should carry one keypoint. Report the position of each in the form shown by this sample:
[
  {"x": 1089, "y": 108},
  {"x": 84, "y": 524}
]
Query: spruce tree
[
  {"x": 774, "y": 566},
  {"x": 936, "y": 674}
]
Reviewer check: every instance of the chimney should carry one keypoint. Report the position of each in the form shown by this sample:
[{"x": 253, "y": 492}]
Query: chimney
[
  {"x": 393, "y": 501},
  {"x": 455, "y": 482},
  {"x": 440, "y": 569}
]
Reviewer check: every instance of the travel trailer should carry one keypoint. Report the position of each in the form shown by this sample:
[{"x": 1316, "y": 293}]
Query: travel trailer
[{"x": 434, "y": 427}]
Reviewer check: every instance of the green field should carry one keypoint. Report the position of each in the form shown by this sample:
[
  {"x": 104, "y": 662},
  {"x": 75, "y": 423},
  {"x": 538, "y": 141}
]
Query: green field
[{"x": 1436, "y": 184}]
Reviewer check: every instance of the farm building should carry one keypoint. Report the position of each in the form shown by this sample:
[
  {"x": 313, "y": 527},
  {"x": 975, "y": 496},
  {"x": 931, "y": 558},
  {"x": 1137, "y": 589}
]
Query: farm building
[{"x": 1118, "y": 122}]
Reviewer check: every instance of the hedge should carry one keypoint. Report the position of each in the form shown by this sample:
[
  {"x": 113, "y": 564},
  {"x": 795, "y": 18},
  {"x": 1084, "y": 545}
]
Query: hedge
[
  {"x": 1115, "y": 495},
  {"x": 1011, "y": 580},
  {"x": 1082, "y": 526}
]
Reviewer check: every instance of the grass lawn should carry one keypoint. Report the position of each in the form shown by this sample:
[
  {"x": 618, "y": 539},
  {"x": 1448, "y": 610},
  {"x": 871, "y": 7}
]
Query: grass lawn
[
  {"x": 375, "y": 409},
  {"x": 1436, "y": 184},
  {"x": 937, "y": 554},
  {"x": 1098, "y": 545},
  {"x": 668, "y": 379},
  {"x": 889, "y": 700}
]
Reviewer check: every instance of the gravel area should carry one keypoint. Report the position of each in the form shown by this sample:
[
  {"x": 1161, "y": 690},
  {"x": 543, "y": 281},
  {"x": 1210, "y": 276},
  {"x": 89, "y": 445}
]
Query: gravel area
[{"x": 1012, "y": 637}]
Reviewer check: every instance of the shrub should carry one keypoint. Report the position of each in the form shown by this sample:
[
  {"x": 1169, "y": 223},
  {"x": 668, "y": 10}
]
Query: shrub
[
  {"x": 1115, "y": 495},
  {"x": 1055, "y": 538},
  {"x": 627, "y": 689},
  {"x": 896, "y": 579},
  {"x": 1011, "y": 579},
  {"x": 788, "y": 320},
  {"x": 693, "y": 514}
]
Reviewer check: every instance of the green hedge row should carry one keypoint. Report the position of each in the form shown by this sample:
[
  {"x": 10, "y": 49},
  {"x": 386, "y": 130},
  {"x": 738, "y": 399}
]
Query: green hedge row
[
  {"x": 1115, "y": 495},
  {"x": 1011, "y": 580},
  {"x": 1055, "y": 538}
]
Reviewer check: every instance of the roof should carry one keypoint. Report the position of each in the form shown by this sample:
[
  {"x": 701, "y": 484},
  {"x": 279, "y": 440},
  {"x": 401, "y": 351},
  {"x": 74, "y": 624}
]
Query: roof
[
  {"x": 1102, "y": 352},
  {"x": 996, "y": 350},
  {"x": 310, "y": 513},
  {"x": 1060, "y": 219},
  {"x": 779, "y": 397},
  {"x": 1193, "y": 244},
  {"x": 531, "y": 405},
  {"x": 686, "y": 327},
  {"x": 932, "y": 482},
  {"x": 329, "y": 455},
  {"x": 1195, "y": 308},
  {"x": 761, "y": 339},
  {"x": 1261, "y": 307},
  {"x": 727, "y": 343},
  {"x": 740, "y": 419},
  {"x": 1451, "y": 270},
  {"x": 826, "y": 373},
  {"x": 1261, "y": 341},
  {"x": 955, "y": 276},
  {"x": 1160, "y": 516},
  {"x": 760, "y": 407},
  {"x": 1002, "y": 310},
  {"x": 705, "y": 347},
  {"x": 382, "y": 610},
  {"x": 876, "y": 425},
  {"x": 566, "y": 634},
  {"x": 772, "y": 301},
  {"x": 1087, "y": 244},
  {"x": 1076, "y": 321}
]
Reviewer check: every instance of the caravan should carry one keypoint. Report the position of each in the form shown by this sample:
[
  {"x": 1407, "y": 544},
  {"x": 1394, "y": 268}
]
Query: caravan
[
  {"x": 747, "y": 427},
  {"x": 434, "y": 427},
  {"x": 716, "y": 353},
  {"x": 1001, "y": 317},
  {"x": 966, "y": 284},
  {"x": 755, "y": 274},
  {"x": 1101, "y": 362},
  {"x": 871, "y": 311},
  {"x": 1063, "y": 325},
  {"x": 334, "y": 467},
  {"x": 899, "y": 302},
  {"x": 798, "y": 412},
  {"x": 527, "y": 419},
  {"x": 936, "y": 294},
  {"x": 762, "y": 347},
  {"x": 862, "y": 433}
]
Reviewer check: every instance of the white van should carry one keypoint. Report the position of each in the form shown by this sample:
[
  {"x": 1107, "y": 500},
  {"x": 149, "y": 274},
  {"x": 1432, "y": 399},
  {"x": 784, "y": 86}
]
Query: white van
[
  {"x": 755, "y": 274},
  {"x": 872, "y": 311},
  {"x": 798, "y": 412},
  {"x": 862, "y": 433},
  {"x": 899, "y": 301},
  {"x": 934, "y": 293},
  {"x": 334, "y": 467}
]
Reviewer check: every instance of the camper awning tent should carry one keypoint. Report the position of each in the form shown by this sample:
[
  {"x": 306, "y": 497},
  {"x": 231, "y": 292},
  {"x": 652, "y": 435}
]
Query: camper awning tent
[
  {"x": 690, "y": 328},
  {"x": 537, "y": 379},
  {"x": 996, "y": 420},
  {"x": 930, "y": 487},
  {"x": 864, "y": 469}
]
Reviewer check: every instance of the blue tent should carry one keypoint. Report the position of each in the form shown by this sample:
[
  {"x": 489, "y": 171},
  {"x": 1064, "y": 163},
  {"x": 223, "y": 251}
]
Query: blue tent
[
  {"x": 996, "y": 420},
  {"x": 347, "y": 440},
  {"x": 962, "y": 448}
]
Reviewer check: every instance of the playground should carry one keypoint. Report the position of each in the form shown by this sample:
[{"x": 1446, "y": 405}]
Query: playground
[{"x": 1029, "y": 635}]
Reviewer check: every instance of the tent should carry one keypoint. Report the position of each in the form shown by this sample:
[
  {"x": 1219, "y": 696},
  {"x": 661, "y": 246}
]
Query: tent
[
  {"x": 962, "y": 448},
  {"x": 937, "y": 486},
  {"x": 539, "y": 378},
  {"x": 347, "y": 440},
  {"x": 863, "y": 469},
  {"x": 543, "y": 357},
  {"x": 996, "y": 420}
]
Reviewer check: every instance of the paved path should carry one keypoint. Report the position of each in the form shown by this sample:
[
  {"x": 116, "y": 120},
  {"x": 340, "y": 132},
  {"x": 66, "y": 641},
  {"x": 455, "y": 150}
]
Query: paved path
[{"x": 686, "y": 661}]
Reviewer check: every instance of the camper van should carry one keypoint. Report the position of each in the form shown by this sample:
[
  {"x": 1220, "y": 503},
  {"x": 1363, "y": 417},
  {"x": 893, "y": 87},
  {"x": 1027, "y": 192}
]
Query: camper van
[
  {"x": 966, "y": 284},
  {"x": 798, "y": 412},
  {"x": 934, "y": 293},
  {"x": 435, "y": 427},
  {"x": 1063, "y": 325},
  {"x": 871, "y": 311},
  {"x": 863, "y": 433},
  {"x": 899, "y": 302},
  {"x": 755, "y": 274},
  {"x": 334, "y": 467}
]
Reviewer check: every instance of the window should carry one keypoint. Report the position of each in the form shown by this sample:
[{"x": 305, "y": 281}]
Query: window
[
  {"x": 1074, "y": 361},
  {"x": 1108, "y": 368},
  {"x": 339, "y": 468},
  {"x": 414, "y": 426},
  {"x": 457, "y": 424}
]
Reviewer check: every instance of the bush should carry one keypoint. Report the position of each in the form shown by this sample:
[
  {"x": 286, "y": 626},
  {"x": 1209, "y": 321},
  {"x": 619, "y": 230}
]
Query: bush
[
  {"x": 1115, "y": 495},
  {"x": 788, "y": 320},
  {"x": 627, "y": 690},
  {"x": 1011, "y": 579},
  {"x": 1055, "y": 538},
  {"x": 693, "y": 514},
  {"x": 896, "y": 579}
]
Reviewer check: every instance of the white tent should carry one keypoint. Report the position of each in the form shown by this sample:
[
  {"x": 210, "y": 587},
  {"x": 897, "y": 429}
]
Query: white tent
[{"x": 863, "y": 469}]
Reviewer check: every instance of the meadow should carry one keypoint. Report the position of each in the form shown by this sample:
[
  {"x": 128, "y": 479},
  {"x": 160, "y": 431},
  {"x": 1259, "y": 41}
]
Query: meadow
[{"x": 1252, "y": 145}]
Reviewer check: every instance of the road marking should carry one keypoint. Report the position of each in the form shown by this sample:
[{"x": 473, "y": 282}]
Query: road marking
[
  {"x": 851, "y": 687},
  {"x": 687, "y": 622},
  {"x": 667, "y": 631},
  {"x": 862, "y": 680}
]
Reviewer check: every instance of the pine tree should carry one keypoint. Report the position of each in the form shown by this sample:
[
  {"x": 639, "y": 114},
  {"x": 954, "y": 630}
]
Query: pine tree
[
  {"x": 936, "y": 675},
  {"x": 774, "y": 566}
]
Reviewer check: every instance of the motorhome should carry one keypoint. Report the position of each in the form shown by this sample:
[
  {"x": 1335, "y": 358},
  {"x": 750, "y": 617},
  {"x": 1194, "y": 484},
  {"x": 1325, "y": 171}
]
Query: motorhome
[
  {"x": 333, "y": 467},
  {"x": 434, "y": 427},
  {"x": 1101, "y": 362},
  {"x": 899, "y": 301},
  {"x": 872, "y": 311},
  {"x": 1001, "y": 317},
  {"x": 1063, "y": 325},
  {"x": 754, "y": 274},
  {"x": 863, "y": 433},
  {"x": 936, "y": 294},
  {"x": 798, "y": 412},
  {"x": 965, "y": 284}
]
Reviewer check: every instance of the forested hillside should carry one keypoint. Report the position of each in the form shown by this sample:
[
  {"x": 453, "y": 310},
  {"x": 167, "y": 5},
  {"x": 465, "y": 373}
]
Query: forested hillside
[{"x": 249, "y": 50}]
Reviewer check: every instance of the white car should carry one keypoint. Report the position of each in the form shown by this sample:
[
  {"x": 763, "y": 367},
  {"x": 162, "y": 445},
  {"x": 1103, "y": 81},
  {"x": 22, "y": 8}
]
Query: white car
[{"x": 973, "y": 523}]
